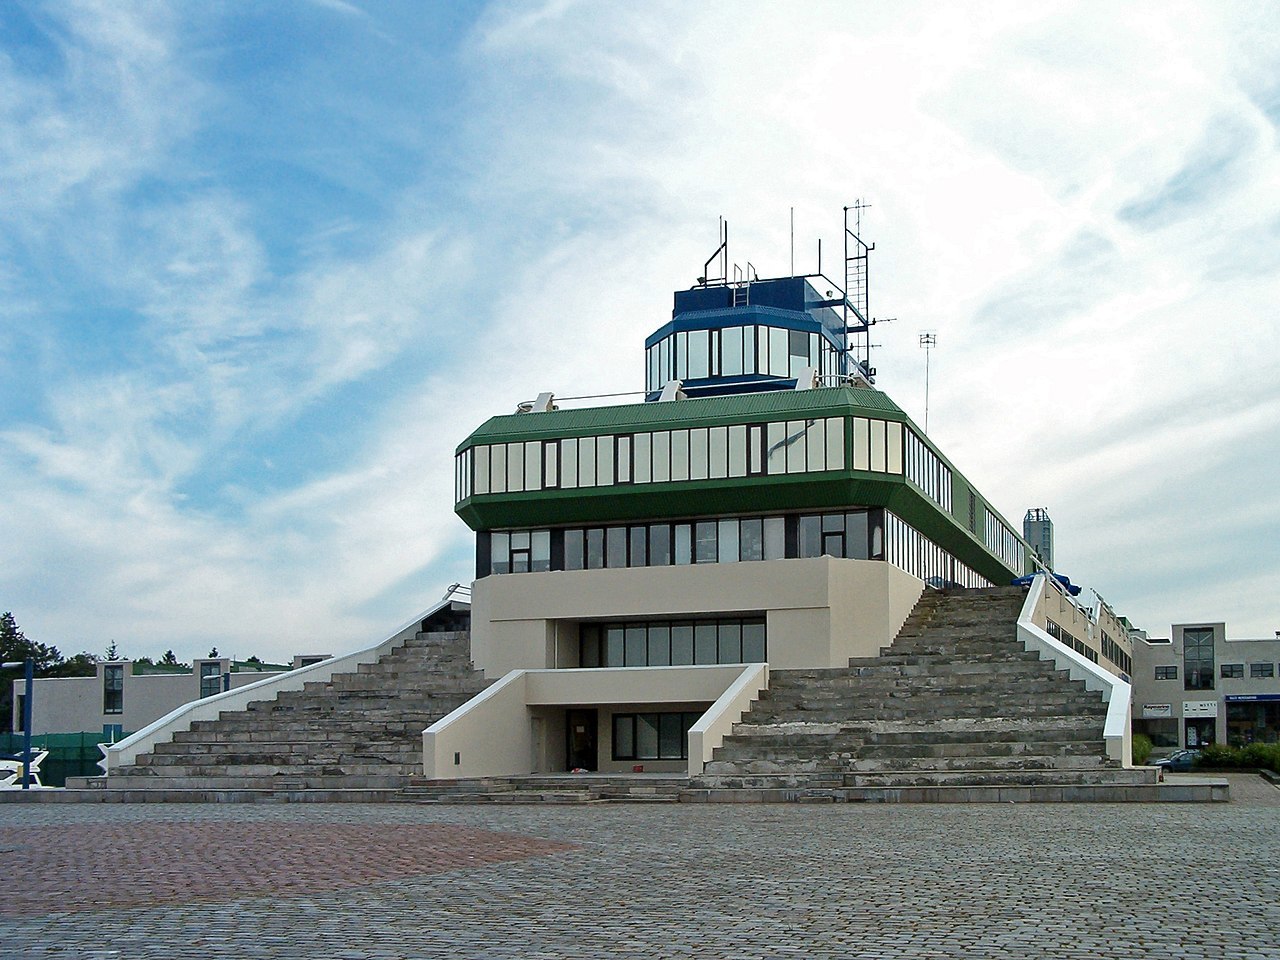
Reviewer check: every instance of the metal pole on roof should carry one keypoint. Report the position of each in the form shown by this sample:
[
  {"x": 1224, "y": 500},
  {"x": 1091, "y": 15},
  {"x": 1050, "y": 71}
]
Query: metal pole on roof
[{"x": 927, "y": 342}]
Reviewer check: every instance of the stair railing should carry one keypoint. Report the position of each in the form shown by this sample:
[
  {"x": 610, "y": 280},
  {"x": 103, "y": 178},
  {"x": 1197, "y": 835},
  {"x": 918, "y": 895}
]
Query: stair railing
[
  {"x": 181, "y": 719},
  {"x": 1116, "y": 693}
]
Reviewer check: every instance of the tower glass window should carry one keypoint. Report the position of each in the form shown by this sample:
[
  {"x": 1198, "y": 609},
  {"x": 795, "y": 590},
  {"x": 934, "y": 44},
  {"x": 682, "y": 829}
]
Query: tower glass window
[{"x": 1197, "y": 658}]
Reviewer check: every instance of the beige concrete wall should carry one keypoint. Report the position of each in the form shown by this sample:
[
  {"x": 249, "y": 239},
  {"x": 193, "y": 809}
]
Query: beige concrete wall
[
  {"x": 490, "y": 735},
  {"x": 516, "y": 726},
  {"x": 819, "y": 611},
  {"x": 717, "y": 722}
]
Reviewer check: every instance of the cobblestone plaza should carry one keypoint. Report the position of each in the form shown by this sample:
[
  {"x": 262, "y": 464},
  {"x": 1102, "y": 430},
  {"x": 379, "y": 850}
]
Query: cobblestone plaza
[{"x": 736, "y": 881}]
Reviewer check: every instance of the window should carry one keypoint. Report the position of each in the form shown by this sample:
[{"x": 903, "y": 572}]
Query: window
[
  {"x": 1166, "y": 673},
  {"x": 522, "y": 551},
  {"x": 856, "y": 535},
  {"x": 1197, "y": 658},
  {"x": 652, "y": 736},
  {"x": 210, "y": 679},
  {"x": 113, "y": 688},
  {"x": 667, "y": 643},
  {"x": 835, "y": 535},
  {"x": 1257, "y": 670},
  {"x": 1232, "y": 671}
]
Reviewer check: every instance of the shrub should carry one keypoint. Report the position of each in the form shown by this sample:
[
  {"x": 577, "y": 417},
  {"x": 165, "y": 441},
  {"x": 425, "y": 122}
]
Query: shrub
[
  {"x": 1141, "y": 750},
  {"x": 1265, "y": 756}
]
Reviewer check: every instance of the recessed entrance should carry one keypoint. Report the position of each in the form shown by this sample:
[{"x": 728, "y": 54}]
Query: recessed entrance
[
  {"x": 582, "y": 749},
  {"x": 1200, "y": 731}
]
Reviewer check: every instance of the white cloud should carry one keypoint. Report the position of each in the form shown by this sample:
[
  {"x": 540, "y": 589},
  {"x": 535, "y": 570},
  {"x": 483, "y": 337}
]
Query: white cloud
[{"x": 1101, "y": 364}]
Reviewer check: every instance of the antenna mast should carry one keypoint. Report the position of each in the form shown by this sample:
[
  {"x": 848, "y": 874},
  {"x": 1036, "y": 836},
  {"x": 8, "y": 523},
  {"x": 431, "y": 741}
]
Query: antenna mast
[
  {"x": 928, "y": 341},
  {"x": 857, "y": 293},
  {"x": 721, "y": 254}
]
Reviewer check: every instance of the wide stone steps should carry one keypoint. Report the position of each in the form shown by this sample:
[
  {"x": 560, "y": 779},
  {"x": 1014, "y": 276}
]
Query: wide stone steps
[
  {"x": 591, "y": 788},
  {"x": 955, "y": 701},
  {"x": 910, "y": 708},
  {"x": 992, "y": 776},
  {"x": 251, "y": 771},
  {"x": 357, "y": 731},
  {"x": 985, "y": 730},
  {"x": 748, "y": 751},
  {"x": 277, "y": 782}
]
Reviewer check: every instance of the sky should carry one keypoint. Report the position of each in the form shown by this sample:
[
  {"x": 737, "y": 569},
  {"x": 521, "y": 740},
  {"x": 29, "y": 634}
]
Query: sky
[{"x": 263, "y": 266}]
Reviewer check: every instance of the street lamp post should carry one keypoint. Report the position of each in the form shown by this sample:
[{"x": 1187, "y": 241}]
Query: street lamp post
[{"x": 29, "y": 666}]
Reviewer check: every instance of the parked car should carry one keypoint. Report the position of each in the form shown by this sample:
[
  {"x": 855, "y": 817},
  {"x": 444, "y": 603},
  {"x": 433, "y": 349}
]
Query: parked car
[{"x": 1179, "y": 761}]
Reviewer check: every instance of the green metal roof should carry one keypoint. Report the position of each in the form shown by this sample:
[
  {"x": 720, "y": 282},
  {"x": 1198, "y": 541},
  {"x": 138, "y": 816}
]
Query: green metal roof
[{"x": 702, "y": 412}]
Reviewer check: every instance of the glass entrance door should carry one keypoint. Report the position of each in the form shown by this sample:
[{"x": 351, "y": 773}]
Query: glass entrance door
[{"x": 1200, "y": 731}]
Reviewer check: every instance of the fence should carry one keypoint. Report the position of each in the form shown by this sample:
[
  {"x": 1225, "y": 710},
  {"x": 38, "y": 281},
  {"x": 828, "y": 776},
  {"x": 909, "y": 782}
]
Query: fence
[{"x": 70, "y": 754}]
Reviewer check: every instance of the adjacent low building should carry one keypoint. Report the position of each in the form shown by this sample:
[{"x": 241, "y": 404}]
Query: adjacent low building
[
  {"x": 70, "y": 715},
  {"x": 1198, "y": 688}
]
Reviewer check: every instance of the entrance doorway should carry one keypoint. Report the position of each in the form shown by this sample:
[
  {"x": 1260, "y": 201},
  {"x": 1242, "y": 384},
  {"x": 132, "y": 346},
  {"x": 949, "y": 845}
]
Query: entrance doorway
[
  {"x": 1200, "y": 731},
  {"x": 582, "y": 751}
]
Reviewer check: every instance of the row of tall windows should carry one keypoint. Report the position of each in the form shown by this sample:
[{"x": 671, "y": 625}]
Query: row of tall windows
[
  {"x": 698, "y": 453},
  {"x": 662, "y": 456},
  {"x": 854, "y": 535},
  {"x": 1116, "y": 654},
  {"x": 929, "y": 473},
  {"x": 1067, "y": 639},
  {"x": 877, "y": 445},
  {"x": 675, "y": 643},
  {"x": 725, "y": 540},
  {"x": 738, "y": 351},
  {"x": 910, "y": 550},
  {"x": 1003, "y": 542},
  {"x": 652, "y": 736}
]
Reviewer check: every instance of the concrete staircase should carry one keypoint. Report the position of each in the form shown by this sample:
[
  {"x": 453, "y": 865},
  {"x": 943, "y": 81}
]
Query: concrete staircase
[
  {"x": 358, "y": 731},
  {"x": 954, "y": 709},
  {"x": 548, "y": 788}
]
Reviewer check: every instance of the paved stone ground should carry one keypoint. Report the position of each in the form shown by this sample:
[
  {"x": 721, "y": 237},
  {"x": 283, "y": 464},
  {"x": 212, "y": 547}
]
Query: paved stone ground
[{"x": 389, "y": 881}]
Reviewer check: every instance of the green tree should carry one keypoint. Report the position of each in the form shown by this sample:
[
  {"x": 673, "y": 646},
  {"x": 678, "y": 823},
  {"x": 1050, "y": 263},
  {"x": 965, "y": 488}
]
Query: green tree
[
  {"x": 112, "y": 653},
  {"x": 14, "y": 646},
  {"x": 169, "y": 659},
  {"x": 81, "y": 665}
]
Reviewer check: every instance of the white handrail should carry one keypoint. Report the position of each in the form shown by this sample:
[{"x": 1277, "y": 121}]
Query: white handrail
[
  {"x": 1116, "y": 693},
  {"x": 182, "y": 718}
]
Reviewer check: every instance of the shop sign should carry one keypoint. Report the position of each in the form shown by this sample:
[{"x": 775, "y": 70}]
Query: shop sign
[
  {"x": 1151, "y": 710},
  {"x": 1251, "y": 697},
  {"x": 1199, "y": 708}
]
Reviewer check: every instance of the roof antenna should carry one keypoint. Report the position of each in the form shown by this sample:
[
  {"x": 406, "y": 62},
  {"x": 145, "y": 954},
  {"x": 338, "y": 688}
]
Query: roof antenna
[
  {"x": 722, "y": 254},
  {"x": 793, "y": 241},
  {"x": 928, "y": 340}
]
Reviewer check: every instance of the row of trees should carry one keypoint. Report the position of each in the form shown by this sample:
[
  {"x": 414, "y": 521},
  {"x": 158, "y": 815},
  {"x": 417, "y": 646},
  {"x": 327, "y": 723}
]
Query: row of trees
[{"x": 49, "y": 662}]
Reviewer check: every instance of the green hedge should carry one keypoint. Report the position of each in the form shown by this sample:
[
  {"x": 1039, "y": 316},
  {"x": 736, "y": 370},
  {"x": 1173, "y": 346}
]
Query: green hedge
[
  {"x": 1255, "y": 756},
  {"x": 1142, "y": 747}
]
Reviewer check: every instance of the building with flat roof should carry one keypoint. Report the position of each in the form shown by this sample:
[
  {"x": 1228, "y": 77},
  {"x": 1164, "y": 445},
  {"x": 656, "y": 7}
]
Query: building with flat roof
[
  {"x": 1198, "y": 687},
  {"x": 764, "y": 504}
]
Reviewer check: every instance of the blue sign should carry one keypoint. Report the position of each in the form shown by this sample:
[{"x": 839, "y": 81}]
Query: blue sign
[{"x": 1251, "y": 697}]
